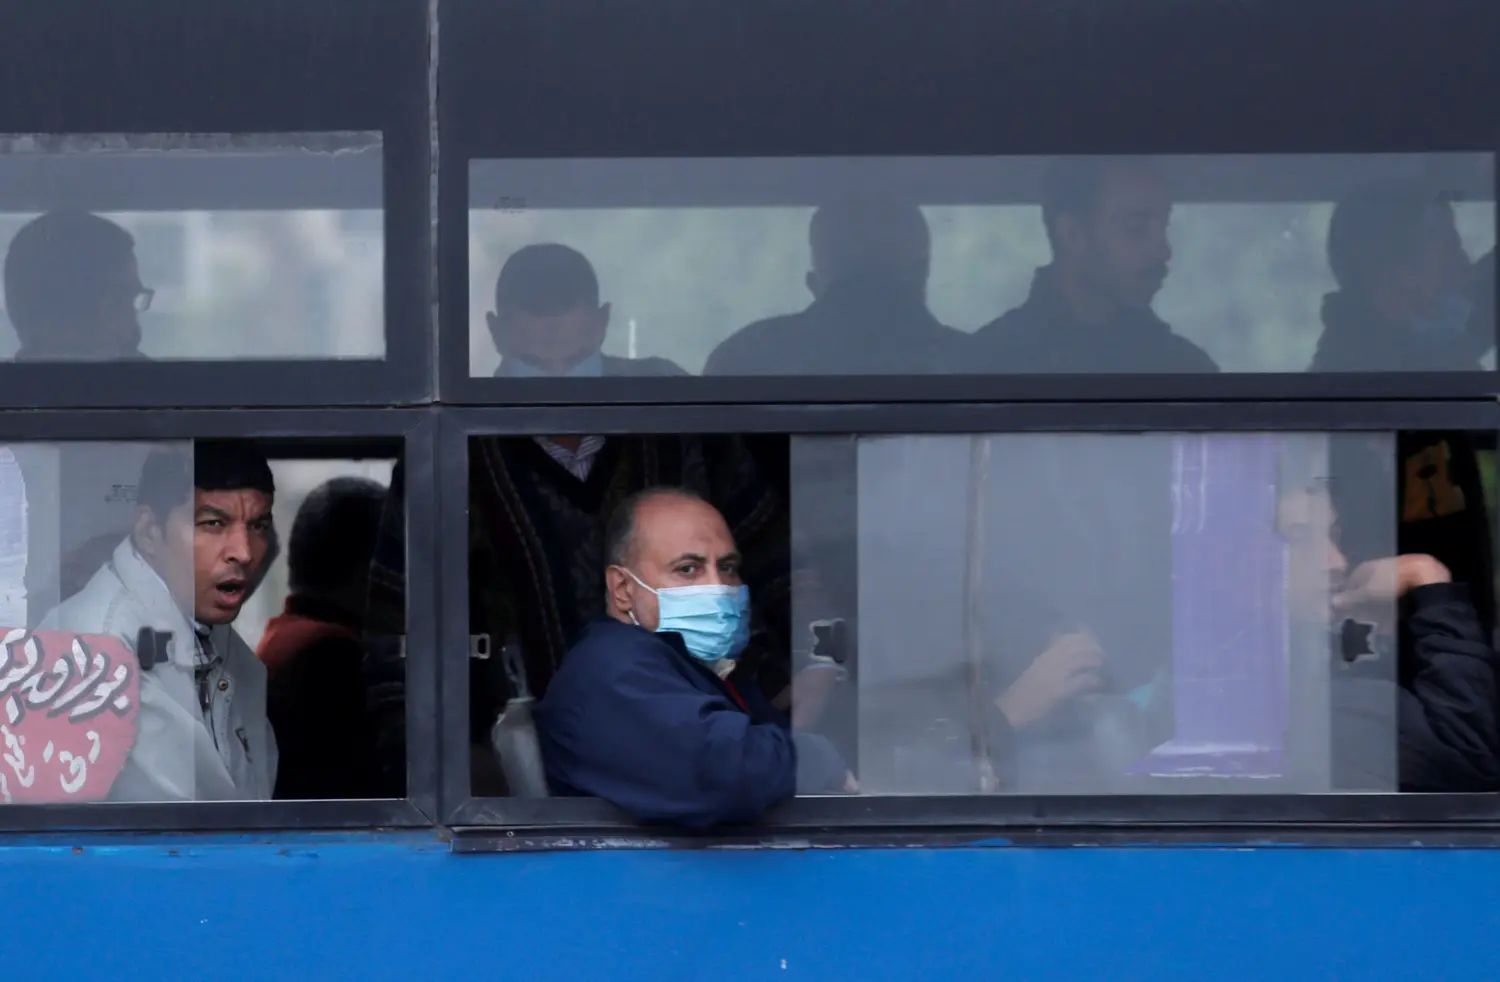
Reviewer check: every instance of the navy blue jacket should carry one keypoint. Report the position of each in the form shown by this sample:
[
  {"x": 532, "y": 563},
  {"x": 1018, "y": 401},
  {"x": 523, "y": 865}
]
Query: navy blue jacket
[{"x": 632, "y": 718}]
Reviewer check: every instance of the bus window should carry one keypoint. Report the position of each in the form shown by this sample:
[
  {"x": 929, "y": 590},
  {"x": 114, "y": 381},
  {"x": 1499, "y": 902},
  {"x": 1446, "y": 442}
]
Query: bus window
[
  {"x": 540, "y": 510},
  {"x": 182, "y": 247},
  {"x": 908, "y": 266},
  {"x": 186, "y": 621},
  {"x": 1155, "y": 613}
]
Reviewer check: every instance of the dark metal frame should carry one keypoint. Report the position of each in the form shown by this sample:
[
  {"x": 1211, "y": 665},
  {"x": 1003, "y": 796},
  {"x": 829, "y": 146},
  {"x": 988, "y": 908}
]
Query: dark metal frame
[
  {"x": 1236, "y": 816},
  {"x": 415, "y": 431},
  {"x": 223, "y": 66}
]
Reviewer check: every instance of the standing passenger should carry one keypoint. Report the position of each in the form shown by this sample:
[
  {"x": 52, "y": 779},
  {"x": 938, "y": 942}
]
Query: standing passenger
[
  {"x": 314, "y": 650},
  {"x": 202, "y": 542}
]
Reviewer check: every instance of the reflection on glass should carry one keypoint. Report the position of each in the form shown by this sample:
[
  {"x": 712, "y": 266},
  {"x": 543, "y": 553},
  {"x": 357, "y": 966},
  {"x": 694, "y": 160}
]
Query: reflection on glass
[
  {"x": 233, "y": 247},
  {"x": 1090, "y": 614},
  {"x": 814, "y": 266}
]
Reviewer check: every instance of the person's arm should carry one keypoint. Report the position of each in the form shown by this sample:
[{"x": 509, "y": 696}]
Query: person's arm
[
  {"x": 646, "y": 740},
  {"x": 1447, "y": 727},
  {"x": 1448, "y": 736}
]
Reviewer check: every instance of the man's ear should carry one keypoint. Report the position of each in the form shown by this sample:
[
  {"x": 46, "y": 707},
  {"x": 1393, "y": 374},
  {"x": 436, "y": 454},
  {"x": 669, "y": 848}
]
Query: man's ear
[
  {"x": 147, "y": 534},
  {"x": 617, "y": 589},
  {"x": 497, "y": 331}
]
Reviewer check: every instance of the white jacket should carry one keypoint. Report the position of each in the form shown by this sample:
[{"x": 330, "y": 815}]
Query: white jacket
[{"x": 178, "y": 755}]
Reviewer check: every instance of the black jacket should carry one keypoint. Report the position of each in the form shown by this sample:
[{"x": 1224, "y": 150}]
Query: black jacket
[
  {"x": 1447, "y": 734},
  {"x": 1356, "y": 339},
  {"x": 1042, "y": 337},
  {"x": 861, "y": 326}
]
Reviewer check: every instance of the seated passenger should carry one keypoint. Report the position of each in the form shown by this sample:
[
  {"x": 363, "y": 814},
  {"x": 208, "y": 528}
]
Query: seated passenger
[
  {"x": 642, "y": 712},
  {"x": 869, "y": 316},
  {"x": 1408, "y": 298},
  {"x": 1089, "y": 312},
  {"x": 185, "y": 571},
  {"x": 1443, "y": 697},
  {"x": 72, "y": 290},
  {"x": 314, "y": 651},
  {"x": 548, "y": 320}
]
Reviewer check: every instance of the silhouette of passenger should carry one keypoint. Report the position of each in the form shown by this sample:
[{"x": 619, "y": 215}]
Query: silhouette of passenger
[
  {"x": 548, "y": 320},
  {"x": 73, "y": 291},
  {"x": 869, "y": 316},
  {"x": 1090, "y": 310},
  {"x": 1408, "y": 297},
  {"x": 1408, "y": 300},
  {"x": 314, "y": 651}
]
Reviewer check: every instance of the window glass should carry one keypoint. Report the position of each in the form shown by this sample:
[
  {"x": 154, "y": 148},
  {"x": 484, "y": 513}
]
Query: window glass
[
  {"x": 1157, "y": 613},
  {"x": 696, "y": 627},
  {"x": 196, "y": 247},
  {"x": 189, "y": 621},
  {"x": 811, "y": 266}
]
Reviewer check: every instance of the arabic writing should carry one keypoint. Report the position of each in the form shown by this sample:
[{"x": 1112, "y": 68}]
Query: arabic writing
[{"x": 68, "y": 706}]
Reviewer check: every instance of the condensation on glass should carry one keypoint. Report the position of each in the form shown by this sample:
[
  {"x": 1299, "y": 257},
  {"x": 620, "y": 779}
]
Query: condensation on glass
[
  {"x": 854, "y": 266},
  {"x": 1157, "y": 613},
  {"x": 173, "y": 247}
]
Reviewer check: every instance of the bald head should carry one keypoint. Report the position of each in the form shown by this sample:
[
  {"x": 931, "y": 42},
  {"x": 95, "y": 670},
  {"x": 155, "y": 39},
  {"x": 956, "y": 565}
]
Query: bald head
[
  {"x": 663, "y": 538},
  {"x": 881, "y": 240}
]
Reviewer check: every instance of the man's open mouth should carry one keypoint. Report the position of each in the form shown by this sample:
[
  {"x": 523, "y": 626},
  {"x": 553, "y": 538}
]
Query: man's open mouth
[{"x": 230, "y": 591}]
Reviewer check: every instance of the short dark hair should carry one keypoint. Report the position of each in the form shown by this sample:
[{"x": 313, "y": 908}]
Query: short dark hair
[
  {"x": 55, "y": 266},
  {"x": 619, "y": 531},
  {"x": 546, "y": 279},
  {"x": 858, "y": 235},
  {"x": 1074, "y": 185},
  {"x": 1376, "y": 225},
  {"x": 333, "y": 536},
  {"x": 217, "y": 465}
]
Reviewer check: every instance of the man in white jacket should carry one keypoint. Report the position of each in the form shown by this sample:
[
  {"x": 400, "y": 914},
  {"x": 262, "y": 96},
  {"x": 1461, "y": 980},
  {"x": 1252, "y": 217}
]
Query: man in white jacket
[{"x": 202, "y": 541}]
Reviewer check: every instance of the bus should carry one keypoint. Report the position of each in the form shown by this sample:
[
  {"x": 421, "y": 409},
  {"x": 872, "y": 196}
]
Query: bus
[{"x": 1103, "y": 398}]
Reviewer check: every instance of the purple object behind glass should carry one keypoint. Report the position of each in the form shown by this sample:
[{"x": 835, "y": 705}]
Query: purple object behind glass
[{"x": 1229, "y": 646}]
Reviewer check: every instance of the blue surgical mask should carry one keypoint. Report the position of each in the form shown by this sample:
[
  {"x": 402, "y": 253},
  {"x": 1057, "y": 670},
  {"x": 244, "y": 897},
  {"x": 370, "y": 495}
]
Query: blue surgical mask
[
  {"x": 714, "y": 621},
  {"x": 590, "y": 367},
  {"x": 1448, "y": 320}
]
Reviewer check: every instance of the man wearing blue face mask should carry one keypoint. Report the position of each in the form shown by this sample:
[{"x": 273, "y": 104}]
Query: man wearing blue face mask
[
  {"x": 642, "y": 712},
  {"x": 548, "y": 321}
]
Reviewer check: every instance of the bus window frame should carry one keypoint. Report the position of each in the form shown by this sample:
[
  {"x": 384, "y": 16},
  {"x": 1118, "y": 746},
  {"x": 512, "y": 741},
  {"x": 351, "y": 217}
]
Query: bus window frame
[
  {"x": 416, "y": 430},
  {"x": 985, "y": 63},
  {"x": 296, "y": 67},
  {"x": 459, "y": 387},
  {"x": 1232, "y": 814}
]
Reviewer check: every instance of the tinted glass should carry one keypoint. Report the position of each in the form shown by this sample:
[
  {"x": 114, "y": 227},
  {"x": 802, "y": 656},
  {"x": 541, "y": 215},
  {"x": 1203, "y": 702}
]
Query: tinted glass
[
  {"x": 1092, "y": 614},
  {"x": 123, "y": 247},
  {"x": 808, "y": 266}
]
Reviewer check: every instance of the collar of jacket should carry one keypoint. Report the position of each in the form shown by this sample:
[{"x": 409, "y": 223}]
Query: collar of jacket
[
  {"x": 161, "y": 610},
  {"x": 1045, "y": 303}
]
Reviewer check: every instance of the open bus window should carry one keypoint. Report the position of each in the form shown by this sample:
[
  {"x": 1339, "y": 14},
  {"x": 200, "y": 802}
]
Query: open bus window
[
  {"x": 901, "y": 266},
  {"x": 1156, "y": 613},
  {"x": 191, "y": 247},
  {"x": 188, "y": 621}
]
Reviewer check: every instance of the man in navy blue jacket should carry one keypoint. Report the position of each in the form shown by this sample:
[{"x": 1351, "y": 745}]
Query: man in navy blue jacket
[{"x": 646, "y": 711}]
